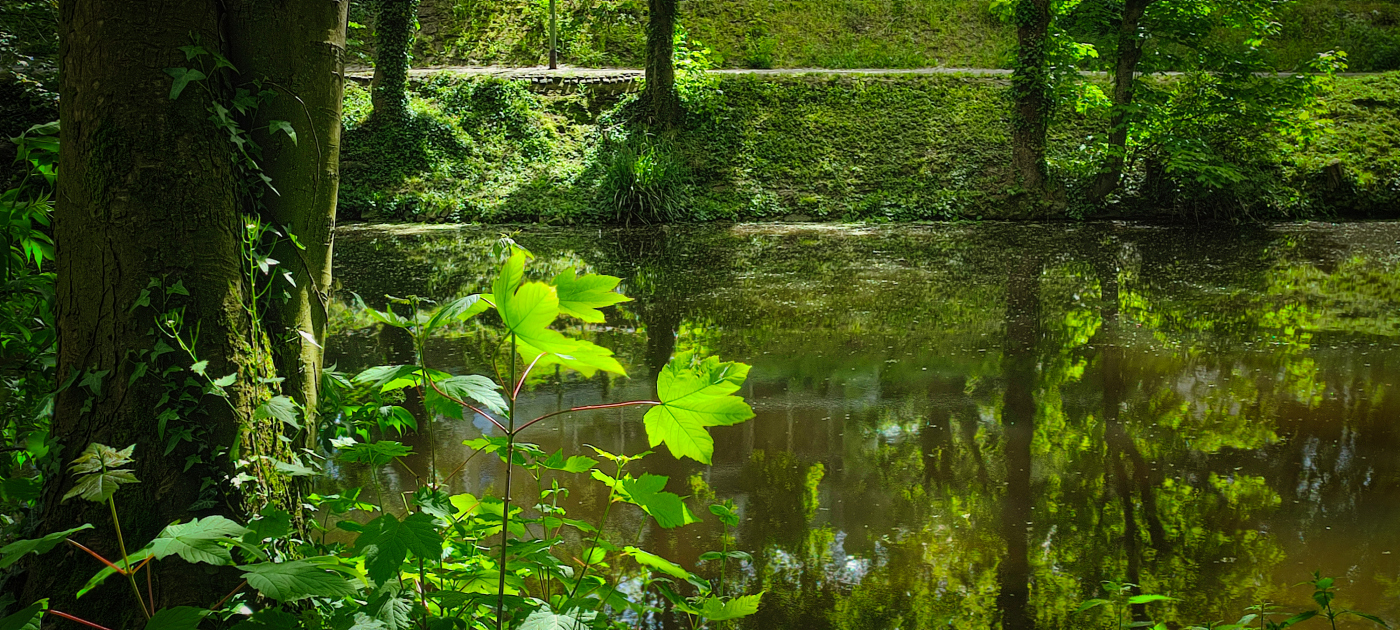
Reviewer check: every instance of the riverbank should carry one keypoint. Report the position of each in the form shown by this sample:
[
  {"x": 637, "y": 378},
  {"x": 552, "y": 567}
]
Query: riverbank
[{"x": 813, "y": 147}]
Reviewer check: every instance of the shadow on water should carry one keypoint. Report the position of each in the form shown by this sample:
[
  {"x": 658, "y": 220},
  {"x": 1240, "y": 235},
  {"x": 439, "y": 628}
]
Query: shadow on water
[{"x": 974, "y": 425}]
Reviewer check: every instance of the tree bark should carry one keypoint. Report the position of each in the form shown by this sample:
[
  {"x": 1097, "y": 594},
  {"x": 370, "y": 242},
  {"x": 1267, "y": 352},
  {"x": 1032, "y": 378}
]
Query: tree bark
[
  {"x": 1124, "y": 83},
  {"x": 1030, "y": 88},
  {"x": 393, "y": 33},
  {"x": 151, "y": 190},
  {"x": 304, "y": 63},
  {"x": 662, "y": 103}
]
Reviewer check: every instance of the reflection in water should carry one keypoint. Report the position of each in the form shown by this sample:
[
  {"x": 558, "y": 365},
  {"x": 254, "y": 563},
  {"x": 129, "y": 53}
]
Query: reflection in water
[{"x": 975, "y": 425}]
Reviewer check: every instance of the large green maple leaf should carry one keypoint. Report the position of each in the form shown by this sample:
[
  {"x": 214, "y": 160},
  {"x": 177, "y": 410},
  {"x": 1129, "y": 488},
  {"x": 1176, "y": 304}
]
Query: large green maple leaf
[
  {"x": 582, "y": 296},
  {"x": 528, "y": 308},
  {"x": 695, "y": 394}
]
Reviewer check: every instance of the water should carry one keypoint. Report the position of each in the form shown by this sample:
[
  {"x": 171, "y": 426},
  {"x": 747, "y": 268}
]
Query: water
[{"x": 974, "y": 425}]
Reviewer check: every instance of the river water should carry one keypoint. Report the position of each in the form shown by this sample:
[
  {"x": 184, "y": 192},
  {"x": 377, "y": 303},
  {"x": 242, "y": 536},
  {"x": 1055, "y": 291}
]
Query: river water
[{"x": 973, "y": 425}]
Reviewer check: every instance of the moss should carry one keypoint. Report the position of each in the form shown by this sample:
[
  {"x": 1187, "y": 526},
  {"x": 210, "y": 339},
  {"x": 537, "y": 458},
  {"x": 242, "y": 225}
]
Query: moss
[{"x": 853, "y": 148}]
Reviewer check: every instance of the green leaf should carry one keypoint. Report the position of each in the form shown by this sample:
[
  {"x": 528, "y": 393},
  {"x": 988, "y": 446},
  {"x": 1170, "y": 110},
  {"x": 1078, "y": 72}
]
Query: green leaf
[
  {"x": 575, "y": 464},
  {"x": 1092, "y": 603},
  {"x": 298, "y": 579},
  {"x": 274, "y": 126},
  {"x": 27, "y": 619},
  {"x": 1298, "y": 618},
  {"x": 393, "y": 610},
  {"x": 177, "y": 618},
  {"x": 474, "y": 387},
  {"x": 282, "y": 408},
  {"x": 546, "y": 619},
  {"x": 695, "y": 395},
  {"x": 1144, "y": 599},
  {"x": 12, "y": 552},
  {"x": 667, "y": 508},
  {"x": 585, "y": 357},
  {"x": 582, "y": 296},
  {"x": 271, "y": 523},
  {"x": 1367, "y": 616},
  {"x": 372, "y": 453},
  {"x": 225, "y": 380},
  {"x": 460, "y": 309},
  {"x": 98, "y": 457},
  {"x": 388, "y": 377},
  {"x": 270, "y": 619},
  {"x": 386, "y": 542},
  {"x": 100, "y": 486},
  {"x": 183, "y": 77},
  {"x": 654, "y": 561},
  {"x": 715, "y": 609},
  {"x": 198, "y": 540}
]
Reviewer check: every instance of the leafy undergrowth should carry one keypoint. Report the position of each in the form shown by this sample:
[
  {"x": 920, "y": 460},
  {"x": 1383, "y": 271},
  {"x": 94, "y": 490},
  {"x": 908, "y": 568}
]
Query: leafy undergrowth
[{"x": 853, "y": 148}]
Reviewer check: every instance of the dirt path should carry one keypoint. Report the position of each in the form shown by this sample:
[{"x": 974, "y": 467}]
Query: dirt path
[{"x": 568, "y": 74}]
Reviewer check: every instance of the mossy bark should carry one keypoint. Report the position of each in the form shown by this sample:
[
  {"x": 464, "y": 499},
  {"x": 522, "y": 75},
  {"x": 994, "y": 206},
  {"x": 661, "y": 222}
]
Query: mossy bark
[
  {"x": 150, "y": 190},
  {"x": 663, "y": 105},
  {"x": 304, "y": 64},
  {"x": 1030, "y": 90},
  {"x": 393, "y": 33}
]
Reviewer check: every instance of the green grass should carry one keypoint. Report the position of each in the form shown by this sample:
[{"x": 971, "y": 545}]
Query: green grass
[
  {"x": 828, "y": 33},
  {"x": 854, "y": 148}
]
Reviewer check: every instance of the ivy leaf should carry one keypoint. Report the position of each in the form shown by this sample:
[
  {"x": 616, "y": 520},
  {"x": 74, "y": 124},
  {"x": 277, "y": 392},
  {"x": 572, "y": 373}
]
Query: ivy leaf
[
  {"x": 695, "y": 395},
  {"x": 654, "y": 561},
  {"x": 582, "y": 296},
  {"x": 475, "y": 387},
  {"x": 281, "y": 408},
  {"x": 716, "y": 609},
  {"x": 386, "y": 542},
  {"x": 177, "y": 618},
  {"x": 298, "y": 579},
  {"x": 183, "y": 77},
  {"x": 667, "y": 508},
  {"x": 460, "y": 309},
  {"x": 27, "y": 619},
  {"x": 198, "y": 540},
  {"x": 546, "y": 619},
  {"x": 274, "y": 126},
  {"x": 12, "y": 552}
]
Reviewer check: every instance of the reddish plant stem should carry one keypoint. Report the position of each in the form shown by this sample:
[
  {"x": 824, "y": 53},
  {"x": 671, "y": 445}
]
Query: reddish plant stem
[
  {"x": 230, "y": 594},
  {"x": 97, "y": 555},
  {"x": 630, "y": 403},
  {"x": 77, "y": 620},
  {"x": 525, "y": 375}
]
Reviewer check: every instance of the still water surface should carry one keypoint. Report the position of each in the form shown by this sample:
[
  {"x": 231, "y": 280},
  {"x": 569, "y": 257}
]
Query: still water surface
[{"x": 974, "y": 425}]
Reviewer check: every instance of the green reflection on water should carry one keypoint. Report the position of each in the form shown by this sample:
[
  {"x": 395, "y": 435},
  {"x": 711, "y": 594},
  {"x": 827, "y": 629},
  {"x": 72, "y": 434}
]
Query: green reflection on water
[{"x": 973, "y": 425}]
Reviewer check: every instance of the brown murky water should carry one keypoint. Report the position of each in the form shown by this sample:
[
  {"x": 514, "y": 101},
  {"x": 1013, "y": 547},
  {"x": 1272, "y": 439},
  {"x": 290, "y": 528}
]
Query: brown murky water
[{"x": 975, "y": 425}]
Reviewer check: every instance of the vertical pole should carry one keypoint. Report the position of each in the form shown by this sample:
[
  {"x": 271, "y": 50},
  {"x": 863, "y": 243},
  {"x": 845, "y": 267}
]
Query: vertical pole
[{"x": 553, "y": 36}]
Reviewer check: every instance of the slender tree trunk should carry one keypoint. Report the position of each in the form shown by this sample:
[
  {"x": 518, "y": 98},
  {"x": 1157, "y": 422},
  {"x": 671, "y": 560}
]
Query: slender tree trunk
[
  {"x": 393, "y": 32},
  {"x": 1018, "y": 425},
  {"x": 304, "y": 63},
  {"x": 150, "y": 191},
  {"x": 1030, "y": 89},
  {"x": 553, "y": 34},
  {"x": 1124, "y": 84},
  {"x": 660, "y": 94}
]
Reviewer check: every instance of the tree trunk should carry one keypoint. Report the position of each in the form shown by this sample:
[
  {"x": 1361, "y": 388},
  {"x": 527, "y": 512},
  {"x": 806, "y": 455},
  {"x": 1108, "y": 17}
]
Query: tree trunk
[
  {"x": 393, "y": 35},
  {"x": 1124, "y": 84},
  {"x": 151, "y": 190},
  {"x": 662, "y": 103},
  {"x": 1030, "y": 89},
  {"x": 304, "y": 63}
]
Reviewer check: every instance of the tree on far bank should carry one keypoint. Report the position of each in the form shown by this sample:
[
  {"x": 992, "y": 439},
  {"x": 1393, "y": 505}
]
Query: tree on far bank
[
  {"x": 175, "y": 319},
  {"x": 1031, "y": 93},
  {"x": 662, "y": 103},
  {"x": 393, "y": 40}
]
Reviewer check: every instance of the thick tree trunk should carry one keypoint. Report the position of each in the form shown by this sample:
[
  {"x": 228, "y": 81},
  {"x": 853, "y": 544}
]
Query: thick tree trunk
[
  {"x": 150, "y": 190},
  {"x": 662, "y": 103},
  {"x": 1124, "y": 84},
  {"x": 393, "y": 33},
  {"x": 1030, "y": 89}
]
